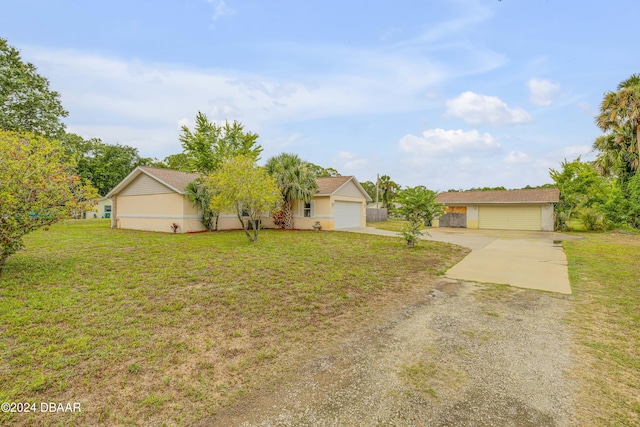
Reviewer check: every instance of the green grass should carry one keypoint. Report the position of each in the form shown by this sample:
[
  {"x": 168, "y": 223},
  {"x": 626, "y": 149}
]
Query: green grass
[
  {"x": 604, "y": 270},
  {"x": 392, "y": 225},
  {"x": 144, "y": 328}
]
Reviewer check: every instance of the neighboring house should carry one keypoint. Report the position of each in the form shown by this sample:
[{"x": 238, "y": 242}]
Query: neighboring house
[
  {"x": 102, "y": 209},
  {"x": 499, "y": 210},
  {"x": 153, "y": 199}
]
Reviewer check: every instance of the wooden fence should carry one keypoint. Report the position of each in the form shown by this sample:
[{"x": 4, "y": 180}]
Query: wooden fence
[{"x": 377, "y": 215}]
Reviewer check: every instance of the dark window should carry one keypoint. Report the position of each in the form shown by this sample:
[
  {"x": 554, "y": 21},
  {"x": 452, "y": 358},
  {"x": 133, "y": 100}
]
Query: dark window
[{"x": 307, "y": 210}]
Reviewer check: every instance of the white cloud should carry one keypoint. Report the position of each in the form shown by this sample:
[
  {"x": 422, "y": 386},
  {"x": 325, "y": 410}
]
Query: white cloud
[
  {"x": 349, "y": 161},
  {"x": 543, "y": 92},
  {"x": 439, "y": 141},
  {"x": 587, "y": 108},
  {"x": 185, "y": 122},
  {"x": 479, "y": 109},
  {"x": 517, "y": 157},
  {"x": 574, "y": 151},
  {"x": 220, "y": 9}
]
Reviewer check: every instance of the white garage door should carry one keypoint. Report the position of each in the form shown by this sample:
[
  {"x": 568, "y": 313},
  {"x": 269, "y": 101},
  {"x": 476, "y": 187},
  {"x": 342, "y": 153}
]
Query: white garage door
[
  {"x": 346, "y": 215},
  {"x": 510, "y": 217}
]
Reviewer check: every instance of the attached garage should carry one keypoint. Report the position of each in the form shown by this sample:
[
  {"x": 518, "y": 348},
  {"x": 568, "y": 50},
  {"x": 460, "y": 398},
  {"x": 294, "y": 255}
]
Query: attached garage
[
  {"x": 530, "y": 209},
  {"x": 510, "y": 217},
  {"x": 347, "y": 215}
]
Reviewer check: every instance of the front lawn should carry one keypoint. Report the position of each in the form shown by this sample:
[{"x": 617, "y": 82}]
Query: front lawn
[
  {"x": 143, "y": 328},
  {"x": 605, "y": 276}
]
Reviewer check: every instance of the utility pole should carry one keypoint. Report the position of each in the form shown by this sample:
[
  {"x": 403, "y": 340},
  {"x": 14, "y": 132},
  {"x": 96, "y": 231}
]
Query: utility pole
[{"x": 377, "y": 179}]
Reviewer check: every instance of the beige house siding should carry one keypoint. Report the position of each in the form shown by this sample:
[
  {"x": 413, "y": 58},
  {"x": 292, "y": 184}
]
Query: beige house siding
[
  {"x": 349, "y": 189},
  {"x": 144, "y": 184},
  {"x": 157, "y": 212}
]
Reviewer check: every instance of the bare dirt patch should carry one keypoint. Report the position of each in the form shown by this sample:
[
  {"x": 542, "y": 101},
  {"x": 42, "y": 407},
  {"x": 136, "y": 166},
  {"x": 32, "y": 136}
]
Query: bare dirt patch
[{"x": 462, "y": 354}]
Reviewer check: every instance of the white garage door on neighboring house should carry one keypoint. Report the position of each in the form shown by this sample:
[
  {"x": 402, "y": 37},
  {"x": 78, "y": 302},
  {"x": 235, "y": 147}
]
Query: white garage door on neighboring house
[
  {"x": 510, "y": 217},
  {"x": 346, "y": 215}
]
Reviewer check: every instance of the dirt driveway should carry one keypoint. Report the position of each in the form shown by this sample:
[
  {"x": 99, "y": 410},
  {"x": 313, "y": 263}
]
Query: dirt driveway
[{"x": 465, "y": 354}]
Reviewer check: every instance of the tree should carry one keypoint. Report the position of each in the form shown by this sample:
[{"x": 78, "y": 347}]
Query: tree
[
  {"x": 582, "y": 191},
  {"x": 208, "y": 145},
  {"x": 388, "y": 190},
  {"x": 200, "y": 197},
  {"x": 240, "y": 185},
  {"x": 418, "y": 206},
  {"x": 179, "y": 162},
  {"x": 295, "y": 181},
  {"x": 320, "y": 172},
  {"x": 620, "y": 114},
  {"x": 616, "y": 154},
  {"x": 104, "y": 165},
  {"x": 37, "y": 188},
  {"x": 26, "y": 102},
  {"x": 370, "y": 188}
]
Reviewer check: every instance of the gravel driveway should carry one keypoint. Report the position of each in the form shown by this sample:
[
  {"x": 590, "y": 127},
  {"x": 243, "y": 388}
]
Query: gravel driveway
[{"x": 464, "y": 354}]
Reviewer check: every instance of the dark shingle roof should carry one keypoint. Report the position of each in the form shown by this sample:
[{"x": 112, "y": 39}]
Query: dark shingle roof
[{"x": 536, "y": 195}]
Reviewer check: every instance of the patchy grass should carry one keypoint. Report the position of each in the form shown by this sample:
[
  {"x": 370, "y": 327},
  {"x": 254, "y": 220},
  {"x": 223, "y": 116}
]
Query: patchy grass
[
  {"x": 147, "y": 328},
  {"x": 418, "y": 376},
  {"x": 605, "y": 276},
  {"x": 392, "y": 225}
]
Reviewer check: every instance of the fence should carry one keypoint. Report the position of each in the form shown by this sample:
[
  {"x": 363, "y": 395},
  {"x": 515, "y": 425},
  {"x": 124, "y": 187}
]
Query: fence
[{"x": 377, "y": 215}]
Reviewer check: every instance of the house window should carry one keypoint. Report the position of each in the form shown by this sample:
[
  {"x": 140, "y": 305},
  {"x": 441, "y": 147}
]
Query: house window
[
  {"x": 307, "y": 210},
  {"x": 245, "y": 212},
  {"x": 107, "y": 211}
]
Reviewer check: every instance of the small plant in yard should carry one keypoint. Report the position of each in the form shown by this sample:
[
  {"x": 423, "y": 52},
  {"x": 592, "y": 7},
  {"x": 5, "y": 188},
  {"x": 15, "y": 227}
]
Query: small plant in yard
[
  {"x": 411, "y": 233},
  {"x": 418, "y": 206},
  {"x": 175, "y": 227}
]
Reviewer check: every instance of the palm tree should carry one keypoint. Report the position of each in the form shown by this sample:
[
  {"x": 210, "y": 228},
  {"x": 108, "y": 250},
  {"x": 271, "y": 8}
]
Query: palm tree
[
  {"x": 388, "y": 188},
  {"x": 198, "y": 195},
  {"x": 617, "y": 156},
  {"x": 295, "y": 180},
  {"x": 621, "y": 110}
]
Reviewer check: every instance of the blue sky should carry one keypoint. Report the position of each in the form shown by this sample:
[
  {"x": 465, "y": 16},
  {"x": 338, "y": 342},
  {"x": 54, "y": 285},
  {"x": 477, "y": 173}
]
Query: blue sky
[{"x": 447, "y": 93}]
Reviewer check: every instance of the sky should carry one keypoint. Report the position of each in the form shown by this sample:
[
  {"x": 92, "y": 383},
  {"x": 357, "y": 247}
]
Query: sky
[{"x": 449, "y": 94}]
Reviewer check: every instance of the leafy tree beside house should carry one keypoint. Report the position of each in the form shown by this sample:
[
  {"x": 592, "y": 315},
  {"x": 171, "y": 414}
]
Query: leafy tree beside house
[
  {"x": 417, "y": 205},
  {"x": 240, "y": 186},
  {"x": 38, "y": 187},
  {"x": 205, "y": 149},
  {"x": 209, "y": 144},
  {"x": 295, "y": 180},
  {"x": 321, "y": 172}
]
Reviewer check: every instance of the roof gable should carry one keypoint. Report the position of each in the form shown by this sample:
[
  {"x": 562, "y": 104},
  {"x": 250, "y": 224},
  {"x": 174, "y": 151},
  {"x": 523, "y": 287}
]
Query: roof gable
[
  {"x": 535, "y": 195},
  {"x": 331, "y": 185},
  {"x": 174, "y": 180}
]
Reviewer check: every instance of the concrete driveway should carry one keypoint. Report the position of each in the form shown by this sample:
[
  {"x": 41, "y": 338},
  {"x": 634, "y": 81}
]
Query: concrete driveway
[{"x": 526, "y": 259}]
